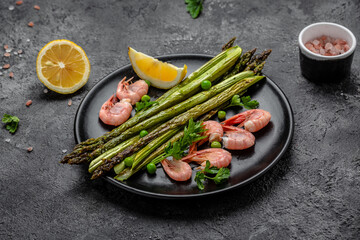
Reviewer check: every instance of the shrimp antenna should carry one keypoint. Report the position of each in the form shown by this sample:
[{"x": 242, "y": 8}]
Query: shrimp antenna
[{"x": 130, "y": 79}]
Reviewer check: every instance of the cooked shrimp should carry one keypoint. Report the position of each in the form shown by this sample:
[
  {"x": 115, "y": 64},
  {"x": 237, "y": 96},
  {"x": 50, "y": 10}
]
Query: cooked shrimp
[
  {"x": 213, "y": 133},
  {"x": 237, "y": 138},
  {"x": 217, "y": 157},
  {"x": 177, "y": 169},
  {"x": 115, "y": 113},
  {"x": 133, "y": 91},
  {"x": 252, "y": 120}
]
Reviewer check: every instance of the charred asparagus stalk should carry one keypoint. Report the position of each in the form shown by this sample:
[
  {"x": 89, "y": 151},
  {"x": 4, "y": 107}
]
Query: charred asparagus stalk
[
  {"x": 210, "y": 71},
  {"x": 171, "y": 112},
  {"x": 177, "y": 121}
]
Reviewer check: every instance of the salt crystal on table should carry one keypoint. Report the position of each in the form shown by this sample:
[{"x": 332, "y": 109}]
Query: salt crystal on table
[
  {"x": 1, "y": 73},
  {"x": 45, "y": 90},
  {"x": 8, "y": 50},
  {"x": 15, "y": 53},
  {"x": 64, "y": 150},
  {"x": 7, "y": 140},
  {"x": 11, "y": 7},
  {"x": 28, "y": 40}
]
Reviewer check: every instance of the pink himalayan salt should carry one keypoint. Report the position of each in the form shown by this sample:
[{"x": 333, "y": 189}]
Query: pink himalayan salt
[{"x": 327, "y": 46}]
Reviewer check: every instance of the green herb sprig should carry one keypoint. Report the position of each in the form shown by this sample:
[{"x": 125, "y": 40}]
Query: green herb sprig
[
  {"x": 192, "y": 133},
  {"x": 143, "y": 105},
  {"x": 245, "y": 102},
  {"x": 221, "y": 176},
  {"x": 11, "y": 122},
  {"x": 194, "y": 7}
]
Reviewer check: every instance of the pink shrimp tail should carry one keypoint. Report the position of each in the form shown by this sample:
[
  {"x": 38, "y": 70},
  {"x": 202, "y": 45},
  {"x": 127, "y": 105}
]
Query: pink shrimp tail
[
  {"x": 193, "y": 148},
  {"x": 217, "y": 157},
  {"x": 238, "y": 118}
]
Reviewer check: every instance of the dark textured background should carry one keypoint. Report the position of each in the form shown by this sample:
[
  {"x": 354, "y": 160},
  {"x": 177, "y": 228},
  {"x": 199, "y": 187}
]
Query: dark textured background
[{"x": 312, "y": 193}]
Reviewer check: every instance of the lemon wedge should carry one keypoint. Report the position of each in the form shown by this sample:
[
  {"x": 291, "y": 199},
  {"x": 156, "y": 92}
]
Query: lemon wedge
[
  {"x": 160, "y": 74},
  {"x": 62, "y": 66}
]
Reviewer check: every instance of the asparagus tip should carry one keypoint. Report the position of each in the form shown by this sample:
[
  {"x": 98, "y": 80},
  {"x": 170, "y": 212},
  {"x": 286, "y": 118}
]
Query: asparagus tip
[{"x": 229, "y": 44}]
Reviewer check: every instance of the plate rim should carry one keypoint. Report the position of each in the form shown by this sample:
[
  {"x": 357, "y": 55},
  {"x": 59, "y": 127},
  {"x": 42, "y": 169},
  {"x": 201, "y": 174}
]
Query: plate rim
[{"x": 202, "y": 194}]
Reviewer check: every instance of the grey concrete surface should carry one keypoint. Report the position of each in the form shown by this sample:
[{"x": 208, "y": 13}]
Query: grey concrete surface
[{"x": 312, "y": 193}]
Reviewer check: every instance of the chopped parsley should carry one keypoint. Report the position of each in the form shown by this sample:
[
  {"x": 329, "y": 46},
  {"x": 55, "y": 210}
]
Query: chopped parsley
[
  {"x": 194, "y": 7},
  {"x": 221, "y": 176},
  {"x": 11, "y": 122}
]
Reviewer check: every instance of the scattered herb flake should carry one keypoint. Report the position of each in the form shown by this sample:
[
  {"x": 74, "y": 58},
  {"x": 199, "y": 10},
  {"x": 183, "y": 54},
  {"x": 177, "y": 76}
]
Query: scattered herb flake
[
  {"x": 194, "y": 7},
  {"x": 143, "y": 105},
  {"x": 11, "y": 122},
  {"x": 248, "y": 103},
  {"x": 245, "y": 102}
]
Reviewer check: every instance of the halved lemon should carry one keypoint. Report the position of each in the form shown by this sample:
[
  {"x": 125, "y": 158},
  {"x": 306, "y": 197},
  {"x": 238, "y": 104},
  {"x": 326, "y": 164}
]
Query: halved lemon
[
  {"x": 160, "y": 74},
  {"x": 62, "y": 66}
]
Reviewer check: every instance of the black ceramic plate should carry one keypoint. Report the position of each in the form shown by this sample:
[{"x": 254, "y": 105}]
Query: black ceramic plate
[{"x": 246, "y": 165}]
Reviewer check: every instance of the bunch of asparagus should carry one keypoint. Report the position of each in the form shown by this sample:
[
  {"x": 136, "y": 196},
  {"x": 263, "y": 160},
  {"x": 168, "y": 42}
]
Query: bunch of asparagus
[{"x": 230, "y": 72}]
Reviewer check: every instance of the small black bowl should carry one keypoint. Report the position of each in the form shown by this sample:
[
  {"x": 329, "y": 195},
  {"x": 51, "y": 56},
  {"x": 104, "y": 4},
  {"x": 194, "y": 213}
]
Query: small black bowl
[{"x": 319, "y": 68}]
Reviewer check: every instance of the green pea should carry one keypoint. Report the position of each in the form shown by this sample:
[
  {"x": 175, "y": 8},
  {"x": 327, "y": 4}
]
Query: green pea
[
  {"x": 206, "y": 85},
  {"x": 221, "y": 114},
  {"x": 145, "y": 98},
  {"x": 151, "y": 168},
  {"x": 148, "y": 82},
  {"x": 129, "y": 161},
  {"x": 215, "y": 144},
  {"x": 143, "y": 133}
]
